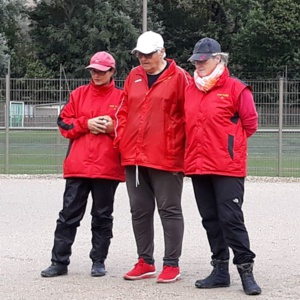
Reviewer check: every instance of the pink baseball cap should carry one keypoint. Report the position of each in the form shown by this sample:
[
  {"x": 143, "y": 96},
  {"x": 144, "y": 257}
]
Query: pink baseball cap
[{"x": 102, "y": 61}]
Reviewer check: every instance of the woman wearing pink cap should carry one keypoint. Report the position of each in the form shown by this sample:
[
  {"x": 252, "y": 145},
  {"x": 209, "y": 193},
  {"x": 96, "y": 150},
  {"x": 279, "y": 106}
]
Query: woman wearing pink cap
[{"x": 91, "y": 166}]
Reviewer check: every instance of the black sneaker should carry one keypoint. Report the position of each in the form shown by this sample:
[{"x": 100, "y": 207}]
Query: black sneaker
[
  {"x": 55, "y": 269},
  {"x": 98, "y": 269}
]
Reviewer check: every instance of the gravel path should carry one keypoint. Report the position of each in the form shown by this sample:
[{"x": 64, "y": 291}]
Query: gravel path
[{"x": 29, "y": 206}]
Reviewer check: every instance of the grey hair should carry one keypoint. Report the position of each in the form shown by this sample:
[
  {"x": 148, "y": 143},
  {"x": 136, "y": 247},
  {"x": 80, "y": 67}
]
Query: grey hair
[
  {"x": 224, "y": 57},
  {"x": 164, "y": 55}
]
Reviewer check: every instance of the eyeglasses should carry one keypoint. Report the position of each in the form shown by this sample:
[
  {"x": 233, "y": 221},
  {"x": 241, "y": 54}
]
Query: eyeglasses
[
  {"x": 98, "y": 72},
  {"x": 140, "y": 55},
  {"x": 199, "y": 62}
]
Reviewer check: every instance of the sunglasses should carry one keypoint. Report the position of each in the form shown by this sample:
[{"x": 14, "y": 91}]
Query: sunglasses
[
  {"x": 140, "y": 55},
  {"x": 98, "y": 72}
]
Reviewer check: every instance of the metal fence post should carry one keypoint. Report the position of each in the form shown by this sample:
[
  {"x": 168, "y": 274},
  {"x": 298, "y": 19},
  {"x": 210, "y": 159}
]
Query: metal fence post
[
  {"x": 145, "y": 12},
  {"x": 7, "y": 115},
  {"x": 280, "y": 125}
]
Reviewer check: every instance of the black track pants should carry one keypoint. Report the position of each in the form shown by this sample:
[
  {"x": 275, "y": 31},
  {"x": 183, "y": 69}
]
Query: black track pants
[
  {"x": 74, "y": 205},
  {"x": 219, "y": 200}
]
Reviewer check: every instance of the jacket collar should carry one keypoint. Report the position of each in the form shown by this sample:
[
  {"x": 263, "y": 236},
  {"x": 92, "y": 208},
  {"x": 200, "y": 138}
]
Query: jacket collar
[
  {"x": 102, "y": 89},
  {"x": 223, "y": 77},
  {"x": 168, "y": 72}
]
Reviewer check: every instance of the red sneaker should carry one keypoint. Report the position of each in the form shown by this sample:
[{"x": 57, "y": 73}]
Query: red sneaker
[
  {"x": 169, "y": 274},
  {"x": 141, "y": 270}
]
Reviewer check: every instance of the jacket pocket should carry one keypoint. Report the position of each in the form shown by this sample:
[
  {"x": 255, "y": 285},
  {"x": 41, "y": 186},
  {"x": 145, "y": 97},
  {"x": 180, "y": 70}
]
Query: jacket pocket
[
  {"x": 230, "y": 145},
  {"x": 69, "y": 148}
]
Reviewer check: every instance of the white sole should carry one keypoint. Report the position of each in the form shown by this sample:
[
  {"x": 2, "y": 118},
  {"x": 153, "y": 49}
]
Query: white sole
[
  {"x": 170, "y": 280},
  {"x": 144, "y": 276}
]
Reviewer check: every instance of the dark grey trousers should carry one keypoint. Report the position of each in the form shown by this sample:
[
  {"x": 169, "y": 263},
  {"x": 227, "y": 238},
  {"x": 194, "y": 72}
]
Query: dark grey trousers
[
  {"x": 164, "y": 189},
  {"x": 219, "y": 200}
]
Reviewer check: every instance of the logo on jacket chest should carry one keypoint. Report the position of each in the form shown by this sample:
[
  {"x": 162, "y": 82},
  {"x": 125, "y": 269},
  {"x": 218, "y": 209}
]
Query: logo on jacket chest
[{"x": 223, "y": 96}]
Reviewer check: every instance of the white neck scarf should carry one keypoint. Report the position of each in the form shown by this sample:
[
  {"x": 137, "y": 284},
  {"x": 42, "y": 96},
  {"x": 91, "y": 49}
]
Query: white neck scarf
[{"x": 205, "y": 83}]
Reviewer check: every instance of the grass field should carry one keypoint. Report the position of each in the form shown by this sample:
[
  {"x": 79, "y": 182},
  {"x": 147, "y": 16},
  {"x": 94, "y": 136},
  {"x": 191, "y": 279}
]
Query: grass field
[
  {"x": 263, "y": 154},
  {"x": 43, "y": 151},
  {"x": 33, "y": 152}
]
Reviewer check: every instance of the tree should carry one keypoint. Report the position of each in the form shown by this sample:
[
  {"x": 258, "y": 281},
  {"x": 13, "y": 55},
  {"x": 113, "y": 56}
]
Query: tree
[
  {"x": 267, "y": 37},
  {"x": 184, "y": 22},
  {"x": 262, "y": 37},
  {"x": 3, "y": 50},
  {"x": 69, "y": 32},
  {"x": 11, "y": 34}
]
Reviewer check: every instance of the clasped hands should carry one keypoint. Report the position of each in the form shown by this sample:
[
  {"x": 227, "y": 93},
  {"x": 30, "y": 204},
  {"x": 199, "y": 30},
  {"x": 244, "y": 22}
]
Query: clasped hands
[{"x": 101, "y": 124}]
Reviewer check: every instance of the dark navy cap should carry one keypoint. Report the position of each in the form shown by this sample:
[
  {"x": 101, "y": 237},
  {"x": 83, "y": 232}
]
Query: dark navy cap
[{"x": 204, "y": 49}]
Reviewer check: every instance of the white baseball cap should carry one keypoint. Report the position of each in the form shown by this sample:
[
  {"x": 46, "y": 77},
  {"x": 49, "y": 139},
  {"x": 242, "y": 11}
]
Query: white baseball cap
[{"x": 148, "y": 42}]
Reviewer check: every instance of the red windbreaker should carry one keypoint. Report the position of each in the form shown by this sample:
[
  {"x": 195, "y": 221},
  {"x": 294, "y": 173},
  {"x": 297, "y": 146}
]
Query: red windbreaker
[
  {"x": 217, "y": 126},
  {"x": 150, "y": 122},
  {"x": 90, "y": 155}
]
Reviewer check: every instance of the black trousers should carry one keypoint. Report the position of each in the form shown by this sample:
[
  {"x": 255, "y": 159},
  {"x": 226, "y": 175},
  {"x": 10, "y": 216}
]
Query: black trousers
[
  {"x": 164, "y": 189},
  {"x": 219, "y": 200},
  {"x": 74, "y": 205}
]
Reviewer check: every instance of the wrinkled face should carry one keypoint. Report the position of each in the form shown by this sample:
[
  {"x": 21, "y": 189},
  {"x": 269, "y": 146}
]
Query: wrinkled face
[
  {"x": 206, "y": 67},
  {"x": 101, "y": 77},
  {"x": 151, "y": 62}
]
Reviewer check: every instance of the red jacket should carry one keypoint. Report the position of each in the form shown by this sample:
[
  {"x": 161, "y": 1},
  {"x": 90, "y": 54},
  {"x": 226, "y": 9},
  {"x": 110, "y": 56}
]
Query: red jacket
[
  {"x": 150, "y": 122},
  {"x": 217, "y": 125},
  {"x": 90, "y": 155}
]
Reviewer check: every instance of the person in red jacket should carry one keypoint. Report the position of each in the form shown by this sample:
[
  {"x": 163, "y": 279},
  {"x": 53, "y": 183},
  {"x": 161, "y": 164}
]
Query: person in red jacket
[
  {"x": 150, "y": 135},
  {"x": 220, "y": 116},
  {"x": 92, "y": 165}
]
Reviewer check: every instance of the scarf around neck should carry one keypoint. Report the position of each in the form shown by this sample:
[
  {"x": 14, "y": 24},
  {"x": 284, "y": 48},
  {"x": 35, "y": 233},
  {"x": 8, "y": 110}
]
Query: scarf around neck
[{"x": 206, "y": 83}]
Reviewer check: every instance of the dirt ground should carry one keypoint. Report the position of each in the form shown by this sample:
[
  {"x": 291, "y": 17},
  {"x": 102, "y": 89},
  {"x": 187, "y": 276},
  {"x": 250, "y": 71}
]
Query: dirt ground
[{"x": 29, "y": 208}]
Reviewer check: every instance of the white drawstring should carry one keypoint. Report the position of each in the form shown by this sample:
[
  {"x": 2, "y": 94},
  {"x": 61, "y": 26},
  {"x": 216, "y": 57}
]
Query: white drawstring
[{"x": 137, "y": 176}]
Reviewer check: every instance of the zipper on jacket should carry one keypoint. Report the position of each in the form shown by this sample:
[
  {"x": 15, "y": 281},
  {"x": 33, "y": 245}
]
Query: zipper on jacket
[{"x": 116, "y": 116}]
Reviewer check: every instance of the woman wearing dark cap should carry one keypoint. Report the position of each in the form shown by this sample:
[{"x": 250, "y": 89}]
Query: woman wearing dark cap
[
  {"x": 220, "y": 116},
  {"x": 91, "y": 166}
]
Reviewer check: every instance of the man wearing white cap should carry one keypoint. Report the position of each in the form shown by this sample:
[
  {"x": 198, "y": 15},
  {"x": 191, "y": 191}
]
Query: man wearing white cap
[
  {"x": 150, "y": 136},
  {"x": 91, "y": 166}
]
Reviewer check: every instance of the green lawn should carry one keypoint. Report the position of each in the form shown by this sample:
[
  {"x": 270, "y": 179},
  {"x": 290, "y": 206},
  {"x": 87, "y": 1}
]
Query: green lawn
[
  {"x": 42, "y": 152},
  {"x": 263, "y": 154},
  {"x": 33, "y": 152}
]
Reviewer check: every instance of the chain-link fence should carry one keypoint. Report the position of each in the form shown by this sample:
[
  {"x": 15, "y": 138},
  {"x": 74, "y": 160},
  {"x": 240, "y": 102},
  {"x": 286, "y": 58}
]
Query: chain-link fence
[{"x": 31, "y": 144}]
